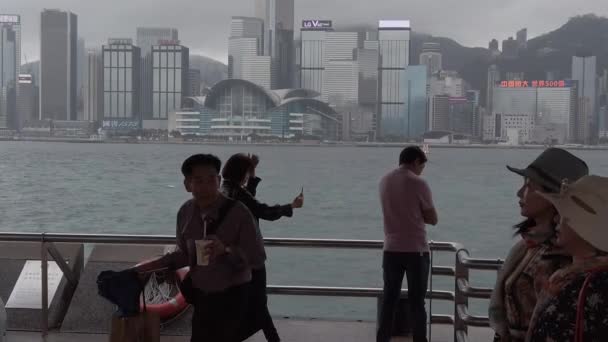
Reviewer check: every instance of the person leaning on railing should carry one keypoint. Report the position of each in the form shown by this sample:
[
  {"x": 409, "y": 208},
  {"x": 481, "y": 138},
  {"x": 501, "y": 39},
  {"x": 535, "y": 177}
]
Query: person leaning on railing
[
  {"x": 533, "y": 259},
  {"x": 573, "y": 305}
]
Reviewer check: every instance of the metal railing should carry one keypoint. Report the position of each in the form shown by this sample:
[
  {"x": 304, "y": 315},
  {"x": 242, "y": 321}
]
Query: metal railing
[{"x": 461, "y": 319}]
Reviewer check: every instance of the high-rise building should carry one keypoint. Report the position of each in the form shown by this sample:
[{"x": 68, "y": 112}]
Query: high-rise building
[
  {"x": 10, "y": 63},
  {"x": 257, "y": 69},
  {"x": 415, "y": 115},
  {"x": 341, "y": 82},
  {"x": 368, "y": 77},
  {"x": 27, "y": 100},
  {"x": 394, "y": 48},
  {"x": 170, "y": 65},
  {"x": 121, "y": 87},
  {"x": 312, "y": 56},
  {"x": 447, "y": 83},
  {"x": 146, "y": 38},
  {"x": 93, "y": 86},
  {"x": 585, "y": 125},
  {"x": 278, "y": 18},
  {"x": 440, "y": 113},
  {"x": 493, "y": 78},
  {"x": 522, "y": 38},
  {"x": 474, "y": 96},
  {"x": 431, "y": 57},
  {"x": 536, "y": 112},
  {"x": 461, "y": 115},
  {"x": 81, "y": 58},
  {"x": 321, "y": 47},
  {"x": 58, "y": 65},
  {"x": 247, "y": 27},
  {"x": 246, "y": 58},
  {"x": 493, "y": 45},
  {"x": 194, "y": 82},
  {"x": 510, "y": 48}
]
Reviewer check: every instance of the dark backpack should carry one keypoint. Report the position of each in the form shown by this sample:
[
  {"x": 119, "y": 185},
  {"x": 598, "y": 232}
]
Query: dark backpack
[{"x": 122, "y": 289}]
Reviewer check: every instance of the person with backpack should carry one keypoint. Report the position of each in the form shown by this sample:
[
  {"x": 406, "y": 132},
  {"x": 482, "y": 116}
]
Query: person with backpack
[
  {"x": 240, "y": 183},
  {"x": 220, "y": 241},
  {"x": 573, "y": 305}
]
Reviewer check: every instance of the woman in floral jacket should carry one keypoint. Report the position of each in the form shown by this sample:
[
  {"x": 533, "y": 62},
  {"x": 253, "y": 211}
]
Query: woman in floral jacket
[
  {"x": 534, "y": 258},
  {"x": 573, "y": 305}
]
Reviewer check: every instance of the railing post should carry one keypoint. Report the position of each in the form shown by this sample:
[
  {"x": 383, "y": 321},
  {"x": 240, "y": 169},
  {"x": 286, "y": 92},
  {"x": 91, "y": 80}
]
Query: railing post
[
  {"x": 45, "y": 288},
  {"x": 462, "y": 272},
  {"x": 430, "y": 327}
]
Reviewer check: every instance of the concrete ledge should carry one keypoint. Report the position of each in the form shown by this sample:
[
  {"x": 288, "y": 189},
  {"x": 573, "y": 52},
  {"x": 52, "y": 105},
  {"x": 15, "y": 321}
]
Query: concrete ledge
[{"x": 13, "y": 256}]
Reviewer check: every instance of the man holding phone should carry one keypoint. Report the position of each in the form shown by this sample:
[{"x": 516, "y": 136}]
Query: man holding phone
[{"x": 407, "y": 206}]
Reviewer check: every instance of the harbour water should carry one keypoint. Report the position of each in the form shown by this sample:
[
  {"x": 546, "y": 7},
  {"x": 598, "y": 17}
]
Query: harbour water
[{"x": 136, "y": 189}]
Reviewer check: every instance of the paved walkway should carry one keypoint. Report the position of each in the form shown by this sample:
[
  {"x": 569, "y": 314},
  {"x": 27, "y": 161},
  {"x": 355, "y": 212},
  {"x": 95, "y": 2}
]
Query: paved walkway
[{"x": 290, "y": 330}]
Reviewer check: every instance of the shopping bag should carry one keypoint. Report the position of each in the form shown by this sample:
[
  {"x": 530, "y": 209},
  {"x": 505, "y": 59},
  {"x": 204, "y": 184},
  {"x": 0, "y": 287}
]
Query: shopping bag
[{"x": 143, "y": 327}]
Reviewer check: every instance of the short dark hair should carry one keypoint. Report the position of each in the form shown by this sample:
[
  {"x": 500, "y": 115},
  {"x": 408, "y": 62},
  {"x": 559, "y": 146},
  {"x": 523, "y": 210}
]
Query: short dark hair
[
  {"x": 200, "y": 160},
  {"x": 237, "y": 167},
  {"x": 410, "y": 154}
]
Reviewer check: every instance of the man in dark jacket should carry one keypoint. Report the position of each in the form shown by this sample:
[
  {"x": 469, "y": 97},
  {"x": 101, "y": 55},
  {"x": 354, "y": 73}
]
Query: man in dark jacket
[
  {"x": 238, "y": 172},
  {"x": 220, "y": 269}
]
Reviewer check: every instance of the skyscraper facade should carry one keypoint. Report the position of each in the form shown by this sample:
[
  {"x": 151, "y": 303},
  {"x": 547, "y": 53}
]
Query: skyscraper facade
[
  {"x": 341, "y": 82},
  {"x": 93, "y": 86},
  {"x": 58, "y": 65},
  {"x": 10, "y": 63},
  {"x": 81, "y": 61},
  {"x": 170, "y": 66},
  {"x": 278, "y": 18},
  {"x": 246, "y": 58},
  {"x": 585, "y": 125},
  {"x": 121, "y": 87},
  {"x": 431, "y": 57},
  {"x": 394, "y": 49},
  {"x": 312, "y": 58},
  {"x": 27, "y": 100},
  {"x": 146, "y": 38},
  {"x": 194, "y": 82}
]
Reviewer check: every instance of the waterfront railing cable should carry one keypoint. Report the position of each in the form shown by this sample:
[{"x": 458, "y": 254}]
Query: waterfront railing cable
[{"x": 461, "y": 318}]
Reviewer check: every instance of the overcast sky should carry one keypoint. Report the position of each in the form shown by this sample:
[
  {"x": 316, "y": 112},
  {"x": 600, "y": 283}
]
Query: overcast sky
[{"x": 204, "y": 24}]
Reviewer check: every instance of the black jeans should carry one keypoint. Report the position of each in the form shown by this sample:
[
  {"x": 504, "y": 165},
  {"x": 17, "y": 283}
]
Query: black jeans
[
  {"x": 217, "y": 316},
  {"x": 416, "y": 267},
  {"x": 258, "y": 317}
]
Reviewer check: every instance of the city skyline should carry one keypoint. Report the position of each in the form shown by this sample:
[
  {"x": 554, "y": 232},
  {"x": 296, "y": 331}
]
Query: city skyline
[{"x": 498, "y": 20}]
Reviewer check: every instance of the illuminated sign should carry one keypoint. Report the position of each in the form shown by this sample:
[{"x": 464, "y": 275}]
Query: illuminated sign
[
  {"x": 535, "y": 84},
  {"x": 394, "y": 24},
  {"x": 10, "y": 19},
  {"x": 316, "y": 24},
  {"x": 120, "y": 124},
  {"x": 120, "y": 41}
]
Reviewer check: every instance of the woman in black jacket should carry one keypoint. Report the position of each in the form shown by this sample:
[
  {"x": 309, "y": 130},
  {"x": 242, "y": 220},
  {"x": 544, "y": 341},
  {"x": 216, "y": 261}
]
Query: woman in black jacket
[{"x": 240, "y": 183}]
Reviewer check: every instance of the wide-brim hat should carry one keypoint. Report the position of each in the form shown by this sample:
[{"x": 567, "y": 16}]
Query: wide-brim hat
[
  {"x": 584, "y": 206},
  {"x": 552, "y": 167}
]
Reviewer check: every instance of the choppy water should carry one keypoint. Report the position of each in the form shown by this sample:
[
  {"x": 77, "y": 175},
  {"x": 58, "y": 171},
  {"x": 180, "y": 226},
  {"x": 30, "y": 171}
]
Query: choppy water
[{"x": 122, "y": 188}]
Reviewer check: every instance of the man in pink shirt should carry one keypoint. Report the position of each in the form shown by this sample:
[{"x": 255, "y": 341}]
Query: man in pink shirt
[{"x": 407, "y": 206}]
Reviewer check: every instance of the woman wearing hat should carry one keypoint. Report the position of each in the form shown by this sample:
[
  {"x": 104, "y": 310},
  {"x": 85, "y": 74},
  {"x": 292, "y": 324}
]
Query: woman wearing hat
[
  {"x": 574, "y": 303},
  {"x": 533, "y": 259}
]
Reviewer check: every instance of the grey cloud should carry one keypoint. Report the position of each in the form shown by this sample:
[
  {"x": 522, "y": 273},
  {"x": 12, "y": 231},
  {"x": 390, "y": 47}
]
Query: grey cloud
[{"x": 203, "y": 24}]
